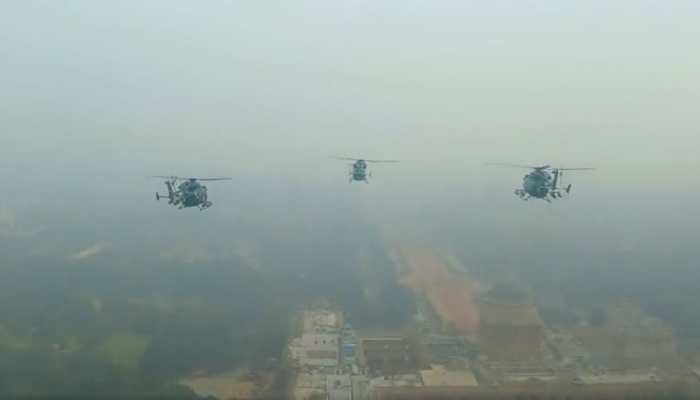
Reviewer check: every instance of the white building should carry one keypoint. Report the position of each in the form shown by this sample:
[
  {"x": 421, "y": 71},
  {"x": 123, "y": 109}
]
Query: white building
[
  {"x": 321, "y": 321},
  {"x": 321, "y": 341},
  {"x": 316, "y": 350}
]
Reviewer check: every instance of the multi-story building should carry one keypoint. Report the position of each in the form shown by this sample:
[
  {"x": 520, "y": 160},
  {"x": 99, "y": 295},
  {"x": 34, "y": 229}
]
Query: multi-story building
[
  {"x": 319, "y": 345},
  {"x": 316, "y": 350}
]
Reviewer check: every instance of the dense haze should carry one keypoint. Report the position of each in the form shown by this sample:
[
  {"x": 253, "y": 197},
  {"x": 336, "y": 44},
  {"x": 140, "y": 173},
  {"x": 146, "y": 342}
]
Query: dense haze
[{"x": 96, "y": 96}]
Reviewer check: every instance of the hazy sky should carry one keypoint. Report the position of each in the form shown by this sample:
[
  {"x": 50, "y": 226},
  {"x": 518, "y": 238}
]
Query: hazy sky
[
  {"x": 97, "y": 95},
  {"x": 277, "y": 87}
]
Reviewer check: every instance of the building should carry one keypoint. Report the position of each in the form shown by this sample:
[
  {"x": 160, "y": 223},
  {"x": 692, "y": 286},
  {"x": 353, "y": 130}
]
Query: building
[
  {"x": 349, "y": 345},
  {"x": 557, "y": 391},
  {"x": 387, "y": 356},
  {"x": 319, "y": 345},
  {"x": 622, "y": 377},
  {"x": 339, "y": 387},
  {"x": 310, "y": 386},
  {"x": 318, "y": 350},
  {"x": 438, "y": 375},
  {"x": 318, "y": 354},
  {"x": 443, "y": 349},
  {"x": 630, "y": 339},
  {"x": 513, "y": 371},
  {"x": 403, "y": 380},
  {"x": 510, "y": 331},
  {"x": 361, "y": 388},
  {"x": 349, "y": 349},
  {"x": 321, "y": 320}
]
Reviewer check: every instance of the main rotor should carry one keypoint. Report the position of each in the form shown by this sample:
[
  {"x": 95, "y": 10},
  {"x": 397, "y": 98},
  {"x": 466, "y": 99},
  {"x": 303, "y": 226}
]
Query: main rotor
[
  {"x": 180, "y": 178},
  {"x": 541, "y": 168},
  {"x": 366, "y": 160}
]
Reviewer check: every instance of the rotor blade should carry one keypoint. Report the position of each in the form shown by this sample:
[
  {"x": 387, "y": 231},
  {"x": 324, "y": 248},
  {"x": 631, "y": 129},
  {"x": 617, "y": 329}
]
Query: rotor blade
[
  {"x": 520, "y": 165},
  {"x": 188, "y": 178},
  {"x": 576, "y": 169},
  {"x": 346, "y": 158},
  {"x": 382, "y": 161}
]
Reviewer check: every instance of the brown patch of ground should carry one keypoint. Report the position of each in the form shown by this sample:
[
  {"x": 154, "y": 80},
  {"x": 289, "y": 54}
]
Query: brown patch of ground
[{"x": 449, "y": 294}]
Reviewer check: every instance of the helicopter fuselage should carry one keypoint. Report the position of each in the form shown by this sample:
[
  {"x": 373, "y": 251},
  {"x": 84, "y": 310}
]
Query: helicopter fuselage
[
  {"x": 192, "y": 194},
  {"x": 543, "y": 183},
  {"x": 538, "y": 184},
  {"x": 359, "y": 171},
  {"x": 189, "y": 193}
]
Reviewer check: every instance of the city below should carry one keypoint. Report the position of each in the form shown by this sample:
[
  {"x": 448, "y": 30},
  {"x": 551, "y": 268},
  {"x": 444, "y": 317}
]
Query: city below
[{"x": 469, "y": 342}]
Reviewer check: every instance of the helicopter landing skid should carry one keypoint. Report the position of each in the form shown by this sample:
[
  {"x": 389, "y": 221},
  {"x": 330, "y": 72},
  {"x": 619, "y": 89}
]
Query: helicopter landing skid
[
  {"x": 556, "y": 194},
  {"x": 522, "y": 194}
]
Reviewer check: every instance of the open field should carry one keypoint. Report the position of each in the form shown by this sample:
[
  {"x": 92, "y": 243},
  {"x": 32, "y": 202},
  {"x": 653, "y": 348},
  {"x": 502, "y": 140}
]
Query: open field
[{"x": 450, "y": 295}]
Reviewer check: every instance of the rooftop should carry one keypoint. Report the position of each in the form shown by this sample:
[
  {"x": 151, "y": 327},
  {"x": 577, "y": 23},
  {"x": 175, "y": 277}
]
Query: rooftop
[
  {"x": 617, "y": 378},
  {"x": 313, "y": 381},
  {"x": 438, "y": 375},
  {"x": 395, "y": 380},
  {"x": 320, "y": 319}
]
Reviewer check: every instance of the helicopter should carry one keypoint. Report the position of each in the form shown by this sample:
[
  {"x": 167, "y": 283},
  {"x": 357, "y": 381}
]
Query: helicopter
[
  {"x": 544, "y": 182},
  {"x": 358, "y": 169},
  {"x": 189, "y": 193}
]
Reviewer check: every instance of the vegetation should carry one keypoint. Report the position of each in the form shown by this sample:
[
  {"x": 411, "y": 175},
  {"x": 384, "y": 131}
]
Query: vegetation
[{"x": 131, "y": 326}]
